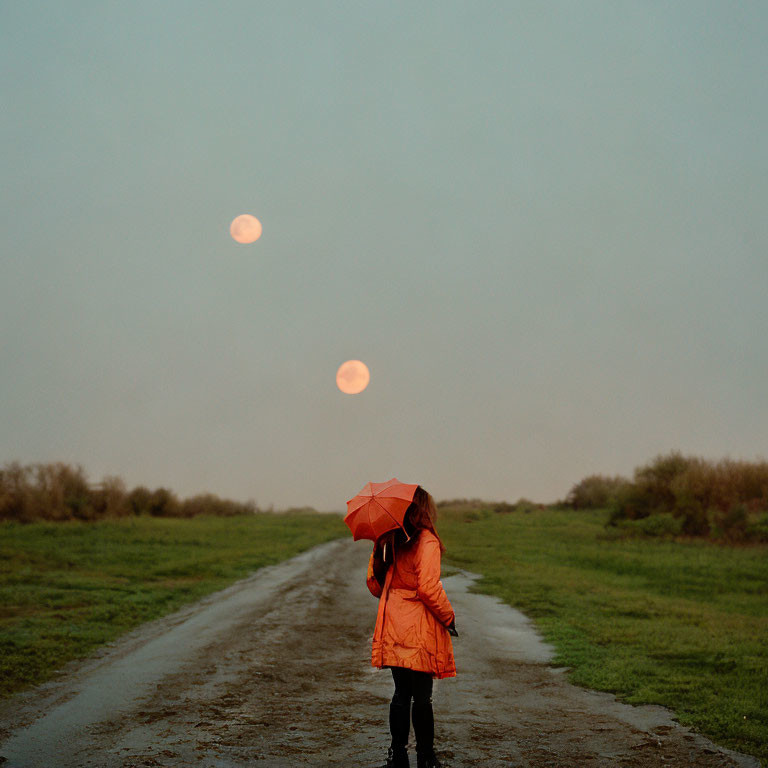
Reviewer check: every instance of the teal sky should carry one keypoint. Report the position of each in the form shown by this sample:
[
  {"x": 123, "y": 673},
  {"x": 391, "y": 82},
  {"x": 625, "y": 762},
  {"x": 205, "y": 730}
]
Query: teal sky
[{"x": 541, "y": 224}]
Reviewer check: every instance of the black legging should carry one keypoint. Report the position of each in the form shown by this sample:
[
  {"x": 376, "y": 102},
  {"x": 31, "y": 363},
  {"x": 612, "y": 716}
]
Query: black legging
[{"x": 410, "y": 684}]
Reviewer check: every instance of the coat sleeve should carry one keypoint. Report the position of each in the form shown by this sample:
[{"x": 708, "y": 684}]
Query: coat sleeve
[
  {"x": 372, "y": 581},
  {"x": 430, "y": 589}
]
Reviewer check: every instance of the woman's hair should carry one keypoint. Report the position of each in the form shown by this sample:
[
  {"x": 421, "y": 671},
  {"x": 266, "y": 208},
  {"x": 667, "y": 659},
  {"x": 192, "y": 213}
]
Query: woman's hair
[
  {"x": 423, "y": 513},
  {"x": 419, "y": 516}
]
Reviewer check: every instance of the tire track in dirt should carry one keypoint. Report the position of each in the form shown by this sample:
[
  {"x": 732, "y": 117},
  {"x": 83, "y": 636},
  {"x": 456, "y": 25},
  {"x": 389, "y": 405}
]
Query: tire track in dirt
[{"x": 275, "y": 671}]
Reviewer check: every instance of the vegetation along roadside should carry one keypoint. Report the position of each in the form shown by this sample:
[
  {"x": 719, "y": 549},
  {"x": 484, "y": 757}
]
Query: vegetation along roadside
[{"x": 679, "y": 623}]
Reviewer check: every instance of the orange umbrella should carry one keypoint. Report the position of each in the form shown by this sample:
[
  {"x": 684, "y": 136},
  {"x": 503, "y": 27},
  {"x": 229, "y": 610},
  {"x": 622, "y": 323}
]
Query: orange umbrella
[{"x": 378, "y": 508}]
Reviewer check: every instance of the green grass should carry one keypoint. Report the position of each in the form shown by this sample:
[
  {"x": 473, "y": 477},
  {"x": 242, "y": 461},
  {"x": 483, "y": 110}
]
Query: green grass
[
  {"x": 67, "y": 588},
  {"x": 683, "y": 624}
]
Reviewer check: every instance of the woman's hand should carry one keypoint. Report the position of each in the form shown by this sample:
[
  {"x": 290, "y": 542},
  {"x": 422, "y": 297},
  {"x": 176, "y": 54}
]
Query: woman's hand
[{"x": 452, "y": 628}]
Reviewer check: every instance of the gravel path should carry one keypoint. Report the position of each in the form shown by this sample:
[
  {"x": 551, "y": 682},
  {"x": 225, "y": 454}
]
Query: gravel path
[{"x": 275, "y": 671}]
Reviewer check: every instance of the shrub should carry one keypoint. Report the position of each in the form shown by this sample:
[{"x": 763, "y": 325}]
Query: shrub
[
  {"x": 301, "y": 511},
  {"x": 16, "y": 501},
  {"x": 732, "y": 524},
  {"x": 721, "y": 499},
  {"x": 139, "y": 500},
  {"x": 655, "y": 480},
  {"x": 758, "y": 529},
  {"x": 662, "y": 524},
  {"x": 163, "y": 503},
  {"x": 595, "y": 492},
  {"x": 109, "y": 498},
  {"x": 477, "y": 509},
  {"x": 210, "y": 504},
  {"x": 462, "y": 504},
  {"x": 59, "y": 491},
  {"x": 629, "y": 503},
  {"x": 468, "y": 510},
  {"x": 49, "y": 491},
  {"x": 695, "y": 520}
]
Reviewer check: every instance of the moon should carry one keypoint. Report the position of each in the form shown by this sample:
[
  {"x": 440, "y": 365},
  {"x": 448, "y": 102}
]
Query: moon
[
  {"x": 245, "y": 228},
  {"x": 352, "y": 377}
]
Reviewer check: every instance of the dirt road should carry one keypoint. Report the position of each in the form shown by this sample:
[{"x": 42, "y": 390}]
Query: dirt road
[{"x": 275, "y": 671}]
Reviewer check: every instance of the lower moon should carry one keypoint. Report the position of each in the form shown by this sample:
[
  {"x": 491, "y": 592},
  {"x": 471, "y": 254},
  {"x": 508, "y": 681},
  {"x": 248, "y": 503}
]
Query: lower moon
[
  {"x": 245, "y": 228},
  {"x": 352, "y": 377}
]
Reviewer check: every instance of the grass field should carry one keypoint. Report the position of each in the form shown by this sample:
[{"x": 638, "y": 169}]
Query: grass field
[
  {"x": 66, "y": 588},
  {"x": 681, "y": 624}
]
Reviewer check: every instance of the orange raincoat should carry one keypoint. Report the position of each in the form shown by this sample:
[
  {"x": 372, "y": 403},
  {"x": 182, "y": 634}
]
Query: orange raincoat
[{"x": 413, "y": 612}]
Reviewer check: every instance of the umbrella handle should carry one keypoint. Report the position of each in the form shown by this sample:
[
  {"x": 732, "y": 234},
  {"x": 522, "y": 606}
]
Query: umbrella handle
[{"x": 384, "y": 545}]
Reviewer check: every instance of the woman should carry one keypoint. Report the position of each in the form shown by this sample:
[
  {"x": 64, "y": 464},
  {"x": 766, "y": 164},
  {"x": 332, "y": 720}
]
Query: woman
[{"x": 413, "y": 626}]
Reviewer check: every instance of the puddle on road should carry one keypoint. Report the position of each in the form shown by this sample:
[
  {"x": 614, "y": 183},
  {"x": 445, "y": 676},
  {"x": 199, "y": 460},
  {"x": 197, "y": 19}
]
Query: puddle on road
[{"x": 511, "y": 632}]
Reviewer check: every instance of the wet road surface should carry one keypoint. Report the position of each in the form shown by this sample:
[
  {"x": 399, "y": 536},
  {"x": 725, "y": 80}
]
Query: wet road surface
[{"x": 275, "y": 671}]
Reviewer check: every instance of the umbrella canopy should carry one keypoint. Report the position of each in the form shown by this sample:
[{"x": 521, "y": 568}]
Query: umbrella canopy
[{"x": 379, "y": 508}]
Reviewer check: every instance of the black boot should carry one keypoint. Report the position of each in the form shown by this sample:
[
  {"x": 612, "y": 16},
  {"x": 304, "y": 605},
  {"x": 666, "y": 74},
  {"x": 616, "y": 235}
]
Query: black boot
[
  {"x": 397, "y": 758},
  {"x": 427, "y": 760}
]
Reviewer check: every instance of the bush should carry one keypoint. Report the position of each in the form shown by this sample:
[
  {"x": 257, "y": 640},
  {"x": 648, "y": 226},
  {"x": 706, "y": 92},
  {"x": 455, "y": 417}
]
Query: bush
[
  {"x": 477, "y": 509},
  {"x": 595, "y": 492},
  {"x": 163, "y": 503},
  {"x": 732, "y": 524},
  {"x": 110, "y": 499},
  {"x": 49, "y": 491},
  {"x": 758, "y": 530},
  {"x": 468, "y": 510},
  {"x": 629, "y": 503},
  {"x": 719, "y": 499},
  {"x": 655, "y": 480},
  {"x": 139, "y": 500},
  {"x": 16, "y": 499},
  {"x": 301, "y": 511},
  {"x": 695, "y": 520},
  {"x": 662, "y": 524},
  {"x": 454, "y": 504},
  {"x": 59, "y": 491}
]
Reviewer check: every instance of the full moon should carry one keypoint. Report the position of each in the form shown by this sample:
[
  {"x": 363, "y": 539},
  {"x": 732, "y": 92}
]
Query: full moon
[
  {"x": 245, "y": 228},
  {"x": 352, "y": 377}
]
